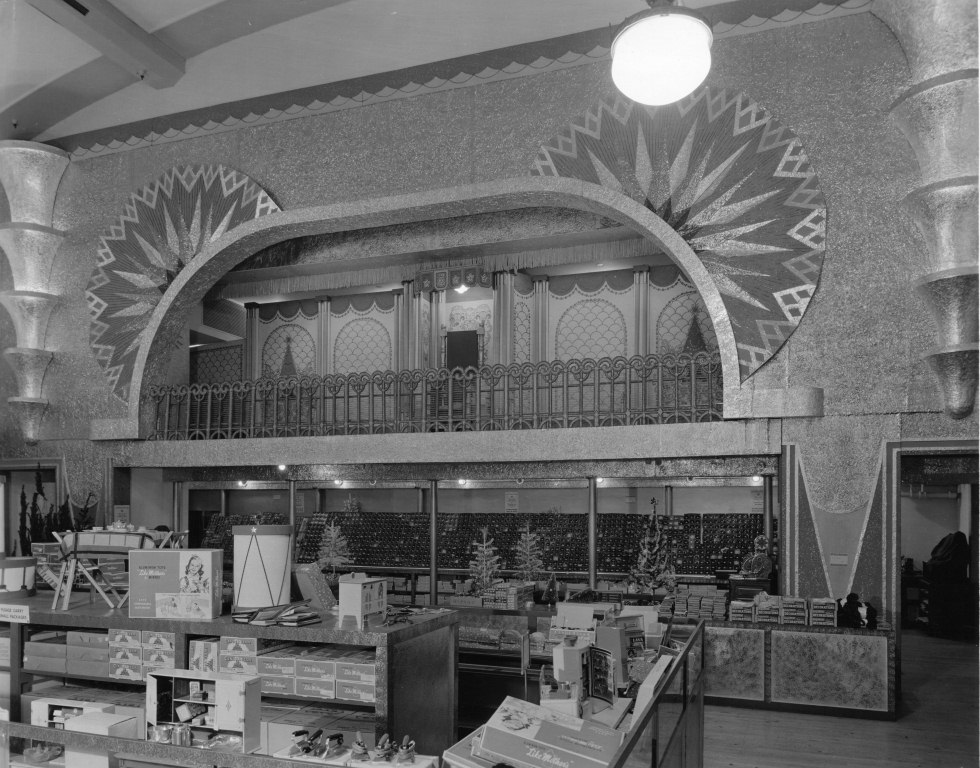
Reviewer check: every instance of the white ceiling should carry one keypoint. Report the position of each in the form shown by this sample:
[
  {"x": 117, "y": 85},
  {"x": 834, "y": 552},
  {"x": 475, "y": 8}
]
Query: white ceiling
[{"x": 54, "y": 84}]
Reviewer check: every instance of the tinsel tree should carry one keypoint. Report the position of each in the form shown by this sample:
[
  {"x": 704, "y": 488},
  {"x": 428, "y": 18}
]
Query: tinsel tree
[
  {"x": 485, "y": 564},
  {"x": 528, "y": 556},
  {"x": 654, "y": 562},
  {"x": 333, "y": 549}
]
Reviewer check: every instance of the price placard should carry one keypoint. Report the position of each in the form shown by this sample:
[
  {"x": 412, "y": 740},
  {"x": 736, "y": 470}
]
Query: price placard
[{"x": 14, "y": 613}]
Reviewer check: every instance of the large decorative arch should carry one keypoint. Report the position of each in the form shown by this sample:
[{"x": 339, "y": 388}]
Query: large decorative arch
[
  {"x": 163, "y": 228},
  {"x": 223, "y": 254},
  {"x": 736, "y": 186}
]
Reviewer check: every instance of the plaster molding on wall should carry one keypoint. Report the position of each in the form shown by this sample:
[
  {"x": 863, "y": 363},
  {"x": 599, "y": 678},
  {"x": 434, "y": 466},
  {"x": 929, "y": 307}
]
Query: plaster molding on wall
[{"x": 258, "y": 111}]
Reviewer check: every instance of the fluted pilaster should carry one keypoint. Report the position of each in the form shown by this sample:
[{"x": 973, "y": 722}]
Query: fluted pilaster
[
  {"x": 30, "y": 174},
  {"x": 30, "y": 311},
  {"x": 29, "y": 412},
  {"x": 31, "y": 250},
  {"x": 29, "y": 365},
  {"x": 938, "y": 114}
]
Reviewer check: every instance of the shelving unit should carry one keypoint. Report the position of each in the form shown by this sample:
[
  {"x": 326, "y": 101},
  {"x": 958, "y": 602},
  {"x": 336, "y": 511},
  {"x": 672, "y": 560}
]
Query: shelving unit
[{"x": 415, "y": 668}]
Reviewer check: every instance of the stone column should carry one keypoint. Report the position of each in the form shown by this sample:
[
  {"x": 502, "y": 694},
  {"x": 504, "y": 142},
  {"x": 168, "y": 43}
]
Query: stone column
[
  {"x": 253, "y": 362},
  {"x": 938, "y": 116},
  {"x": 503, "y": 319},
  {"x": 400, "y": 353},
  {"x": 30, "y": 175},
  {"x": 323, "y": 366},
  {"x": 539, "y": 320},
  {"x": 641, "y": 309},
  {"x": 435, "y": 339}
]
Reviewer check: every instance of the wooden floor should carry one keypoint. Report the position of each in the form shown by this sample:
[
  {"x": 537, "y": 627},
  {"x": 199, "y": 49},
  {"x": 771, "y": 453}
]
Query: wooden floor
[{"x": 938, "y": 726}]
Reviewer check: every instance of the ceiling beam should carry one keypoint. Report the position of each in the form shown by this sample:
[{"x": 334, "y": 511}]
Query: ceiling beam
[{"x": 118, "y": 38}]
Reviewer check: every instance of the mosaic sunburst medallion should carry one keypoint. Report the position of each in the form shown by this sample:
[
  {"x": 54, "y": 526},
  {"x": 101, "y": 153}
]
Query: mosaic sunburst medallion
[
  {"x": 732, "y": 181},
  {"x": 164, "y": 226}
]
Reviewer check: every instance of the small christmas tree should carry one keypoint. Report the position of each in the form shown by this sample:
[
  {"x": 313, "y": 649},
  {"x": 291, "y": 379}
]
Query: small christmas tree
[
  {"x": 485, "y": 564},
  {"x": 528, "y": 555},
  {"x": 654, "y": 565},
  {"x": 333, "y": 549}
]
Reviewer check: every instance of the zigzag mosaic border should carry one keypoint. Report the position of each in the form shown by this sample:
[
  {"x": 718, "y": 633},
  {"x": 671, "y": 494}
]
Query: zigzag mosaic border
[
  {"x": 464, "y": 72},
  {"x": 163, "y": 227},
  {"x": 732, "y": 181}
]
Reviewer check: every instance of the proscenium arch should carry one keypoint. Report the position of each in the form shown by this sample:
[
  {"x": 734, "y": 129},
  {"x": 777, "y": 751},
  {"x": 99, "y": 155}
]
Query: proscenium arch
[{"x": 226, "y": 252}]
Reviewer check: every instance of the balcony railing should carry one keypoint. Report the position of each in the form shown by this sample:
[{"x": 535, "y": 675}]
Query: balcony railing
[{"x": 656, "y": 389}]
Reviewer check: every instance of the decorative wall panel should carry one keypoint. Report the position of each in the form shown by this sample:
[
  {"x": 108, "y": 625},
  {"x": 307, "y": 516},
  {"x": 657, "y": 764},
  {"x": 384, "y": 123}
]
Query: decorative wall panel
[
  {"x": 848, "y": 671},
  {"x": 683, "y": 325},
  {"x": 363, "y": 344},
  {"x": 732, "y": 181},
  {"x": 163, "y": 227},
  {"x": 735, "y": 663},
  {"x": 522, "y": 332},
  {"x": 217, "y": 363},
  {"x": 590, "y": 328},
  {"x": 289, "y": 350}
]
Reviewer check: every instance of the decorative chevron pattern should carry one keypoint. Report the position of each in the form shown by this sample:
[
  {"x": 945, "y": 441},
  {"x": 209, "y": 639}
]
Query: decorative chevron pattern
[
  {"x": 734, "y": 183},
  {"x": 163, "y": 227}
]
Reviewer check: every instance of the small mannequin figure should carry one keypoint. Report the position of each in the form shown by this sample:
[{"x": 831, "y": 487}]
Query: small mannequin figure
[
  {"x": 406, "y": 752},
  {"x": 757, "y": 565},
  {"x": 359, "y": 750}
]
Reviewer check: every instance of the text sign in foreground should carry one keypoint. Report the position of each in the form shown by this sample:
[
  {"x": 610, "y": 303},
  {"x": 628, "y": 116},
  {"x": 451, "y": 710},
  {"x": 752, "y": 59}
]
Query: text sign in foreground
[{"x": 14, "y": 613}]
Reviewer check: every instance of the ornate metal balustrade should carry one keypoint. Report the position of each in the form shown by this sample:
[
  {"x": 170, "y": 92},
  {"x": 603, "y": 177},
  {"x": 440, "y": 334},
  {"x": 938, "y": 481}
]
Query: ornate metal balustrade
[{"x": 656, "y": 389}]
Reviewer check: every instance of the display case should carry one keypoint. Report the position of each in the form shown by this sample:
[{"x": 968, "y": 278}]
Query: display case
[
  {"x": 213, "y": 706},
  {"x": 413, "y": 691}
]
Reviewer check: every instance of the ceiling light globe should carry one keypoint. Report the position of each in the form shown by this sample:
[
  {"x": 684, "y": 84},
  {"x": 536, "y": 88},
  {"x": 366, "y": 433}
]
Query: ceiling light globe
[{"x": 661, "y": 57}]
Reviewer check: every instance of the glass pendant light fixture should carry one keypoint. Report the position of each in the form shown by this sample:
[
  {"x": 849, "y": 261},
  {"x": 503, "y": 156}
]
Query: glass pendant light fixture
[{"x": 662, "y": 54}]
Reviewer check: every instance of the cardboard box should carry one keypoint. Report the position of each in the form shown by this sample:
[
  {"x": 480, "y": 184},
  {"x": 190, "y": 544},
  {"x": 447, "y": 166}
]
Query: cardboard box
[
  {"x": 356, "y": 671},
  {"x": 54, "y": 647},
  {"x": 133, "y": 654},
  {"x": 52, "y": 713},
  {"x": 88, "y": 653},
  {"x": 46, "y": 664},
  {"x": 274, "y": 685},
  {"x": 130, "y": 637},
  {"x": 158, "y": 657},
  {"x": 316, "y": 666},
  {"x": 238, "y": 665},
  {"x": 86, "y": 639},
  {"x": 318, "y": 689},
  {"x": 101, "y": 723},
  {"x": 152, "y": 639},
  {"x": 87, "y": 668},
  {"x": 354, "y": 691},
  {"x": 203, "y": 655},
  {"x": 126, "y": 670},
  {"x": 281, "y": 662},
  {"x": 175, "y": 584},
  {"x": 248, "y": 646}
]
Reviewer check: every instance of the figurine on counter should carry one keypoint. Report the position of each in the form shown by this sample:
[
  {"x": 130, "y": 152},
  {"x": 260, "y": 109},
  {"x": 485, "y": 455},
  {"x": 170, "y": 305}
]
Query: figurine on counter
[
  {"x": 382, "y": 751},
  {"x": 406, "y": 752},
  {"x": 329, "y": 746},
  {"x": 757, "y": 565},
  {"x": 359, "y": 750}
]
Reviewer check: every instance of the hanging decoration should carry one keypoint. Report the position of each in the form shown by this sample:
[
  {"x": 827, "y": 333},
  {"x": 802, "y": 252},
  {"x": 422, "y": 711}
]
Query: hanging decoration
[
  {"x": 733, "y": 182},
  {"x": 164, "y": 226},
  {"x": 455, "y": 278}
]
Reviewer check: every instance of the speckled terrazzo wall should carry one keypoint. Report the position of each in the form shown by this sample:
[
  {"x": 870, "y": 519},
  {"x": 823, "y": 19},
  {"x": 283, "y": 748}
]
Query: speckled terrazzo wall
[{"x": 830, "y": 82}]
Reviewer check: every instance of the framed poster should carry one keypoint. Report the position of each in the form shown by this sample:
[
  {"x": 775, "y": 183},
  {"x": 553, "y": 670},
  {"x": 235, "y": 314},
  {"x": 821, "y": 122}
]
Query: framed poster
[{"x": 510, "y": 501}]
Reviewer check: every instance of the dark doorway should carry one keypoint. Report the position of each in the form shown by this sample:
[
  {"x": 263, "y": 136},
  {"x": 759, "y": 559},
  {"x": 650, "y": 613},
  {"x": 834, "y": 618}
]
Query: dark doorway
[{"x": 462, "y": 349}]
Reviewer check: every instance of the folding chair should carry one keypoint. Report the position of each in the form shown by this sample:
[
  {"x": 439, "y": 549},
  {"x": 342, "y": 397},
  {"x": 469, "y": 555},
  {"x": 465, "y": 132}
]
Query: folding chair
[{"x": 80, "y": 551}]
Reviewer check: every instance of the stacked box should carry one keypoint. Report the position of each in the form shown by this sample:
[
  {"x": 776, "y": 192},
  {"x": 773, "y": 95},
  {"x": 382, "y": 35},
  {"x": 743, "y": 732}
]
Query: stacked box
[
  {"x": 49, "y": 553},
  {"x": 87, "y": 654},
  {"x": 4, "y": 647},
  {"x": 203, "y": 654},
  {"x": 175, "y": 584},
  {"x": 511, "y": 596},
  {"x": 823, "y": 612},
  {"x": 767, "y": 610},
  {"x": 741, "y": 610},
  {"x": 240, "y": 655},
  {"x": 792, "y": 610},
  {"x": 48, "y": 654},
  {"x": 356, "y": 673}
]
